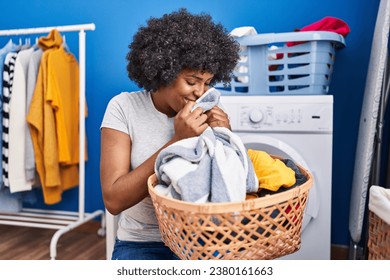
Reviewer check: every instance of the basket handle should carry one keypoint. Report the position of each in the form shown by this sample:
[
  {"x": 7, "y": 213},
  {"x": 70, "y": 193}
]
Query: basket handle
[{"x": 269, "y": 38}]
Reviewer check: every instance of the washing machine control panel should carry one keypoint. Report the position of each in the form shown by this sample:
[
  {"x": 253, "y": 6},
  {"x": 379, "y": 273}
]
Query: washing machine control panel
[{"x": 288, "y": 114}]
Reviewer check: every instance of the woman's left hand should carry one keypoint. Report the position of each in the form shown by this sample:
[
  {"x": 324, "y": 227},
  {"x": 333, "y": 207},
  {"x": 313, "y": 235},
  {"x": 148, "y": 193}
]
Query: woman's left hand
[{"x": 217, "y": 117}]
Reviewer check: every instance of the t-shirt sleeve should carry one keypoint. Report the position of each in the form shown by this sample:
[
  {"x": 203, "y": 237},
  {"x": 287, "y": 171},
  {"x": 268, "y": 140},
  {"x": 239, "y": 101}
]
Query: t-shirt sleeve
[{"x": 116, "y": 115}]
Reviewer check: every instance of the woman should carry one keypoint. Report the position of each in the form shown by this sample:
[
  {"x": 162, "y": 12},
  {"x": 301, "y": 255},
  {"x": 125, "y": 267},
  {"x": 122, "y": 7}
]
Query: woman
[{"x": 175, "y": 59}]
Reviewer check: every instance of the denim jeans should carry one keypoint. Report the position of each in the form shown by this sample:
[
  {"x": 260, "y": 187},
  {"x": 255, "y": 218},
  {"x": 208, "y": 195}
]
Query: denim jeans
[{"x": 130, "y": 250}]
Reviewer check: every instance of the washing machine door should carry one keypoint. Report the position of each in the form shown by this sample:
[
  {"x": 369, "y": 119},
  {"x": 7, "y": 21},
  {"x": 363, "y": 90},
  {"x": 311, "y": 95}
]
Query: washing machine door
[{"x": 277, "y": 147}]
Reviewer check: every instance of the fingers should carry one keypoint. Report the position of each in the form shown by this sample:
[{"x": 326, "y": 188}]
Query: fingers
[
  {"x": 217, "y": 117},
  {"x": 192, "y": 123},
  {"x": 217, "y": 112},
  {"x": 188, "y": 113},
  {"x": 188, "y": 107},
  {"x": 189, "y": 124},
  {"x": 198, "y": 120}
]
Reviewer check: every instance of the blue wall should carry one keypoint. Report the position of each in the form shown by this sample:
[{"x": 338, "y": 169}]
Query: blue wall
[{"x": 116, "y": 22}]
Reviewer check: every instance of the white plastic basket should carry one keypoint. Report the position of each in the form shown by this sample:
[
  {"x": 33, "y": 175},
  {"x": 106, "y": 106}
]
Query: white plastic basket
[{"x": 269, "y": 66}]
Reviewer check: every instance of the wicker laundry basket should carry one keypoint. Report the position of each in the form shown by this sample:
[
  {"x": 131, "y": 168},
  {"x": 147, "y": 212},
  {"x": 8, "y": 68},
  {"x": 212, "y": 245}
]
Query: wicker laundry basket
[
  {"x": 260, "y": 228},
  {"x": 378, "y": 238}
]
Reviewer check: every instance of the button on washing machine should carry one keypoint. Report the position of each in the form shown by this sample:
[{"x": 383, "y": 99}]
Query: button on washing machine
[{"x": 255, "y": 116}]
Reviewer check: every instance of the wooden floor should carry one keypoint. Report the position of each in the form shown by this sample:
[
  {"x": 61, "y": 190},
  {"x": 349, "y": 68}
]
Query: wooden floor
[
  {"x": 339, "y": 253},
  {"x": 82, "y": 243},
  {"x": 24, "y": 243}
]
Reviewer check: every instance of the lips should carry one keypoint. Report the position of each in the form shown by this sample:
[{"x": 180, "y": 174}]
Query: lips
[{"x": 187, "y": 100}]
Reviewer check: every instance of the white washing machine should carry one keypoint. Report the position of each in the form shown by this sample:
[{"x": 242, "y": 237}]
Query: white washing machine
[{"x": 299, "y": 128}]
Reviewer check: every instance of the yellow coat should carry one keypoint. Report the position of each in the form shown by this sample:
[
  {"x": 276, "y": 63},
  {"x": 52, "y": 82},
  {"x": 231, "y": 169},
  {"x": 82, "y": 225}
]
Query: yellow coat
[{"x": 53, "y": 119}]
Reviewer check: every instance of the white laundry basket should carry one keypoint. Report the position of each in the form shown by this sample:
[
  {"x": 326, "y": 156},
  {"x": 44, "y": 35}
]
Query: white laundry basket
[{"x": 292, "y": 63}]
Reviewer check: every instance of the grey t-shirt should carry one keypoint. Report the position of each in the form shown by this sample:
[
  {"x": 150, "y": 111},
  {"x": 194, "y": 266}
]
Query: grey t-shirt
[{"x": 134, "y": 114}]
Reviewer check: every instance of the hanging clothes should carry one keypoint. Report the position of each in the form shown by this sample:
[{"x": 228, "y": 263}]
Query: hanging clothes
[
  {"x": 32, "y": 75},
  {"x": 53, "y": 119},
  {"x": 17, "y": 124},
  {"x": 63, "y": 96},
  {"x": 24, "y": 216},
  {"x": 8, "y": 77},
  {"x": 9, "y": 47},
  {"x": 9, "y": 202}
]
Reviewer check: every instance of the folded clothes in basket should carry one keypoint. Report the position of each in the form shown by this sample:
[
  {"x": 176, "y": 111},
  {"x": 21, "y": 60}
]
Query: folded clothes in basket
[
  {"x": 236, "y": 33},
  {"x": 213, "y": 167},
  {"x": 379, "y": 203},
  {"x": 331, "y": 24},
  {"x": 243, "y": 31}
]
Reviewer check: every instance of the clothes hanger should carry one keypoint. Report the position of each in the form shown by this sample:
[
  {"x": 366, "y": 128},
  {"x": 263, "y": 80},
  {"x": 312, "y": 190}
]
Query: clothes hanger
[{"x": 64, "y": 44}]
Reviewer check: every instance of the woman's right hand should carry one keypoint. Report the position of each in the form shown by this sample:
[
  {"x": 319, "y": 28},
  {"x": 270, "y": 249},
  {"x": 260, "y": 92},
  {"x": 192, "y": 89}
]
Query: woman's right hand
[{"x": 189, "y": 124}]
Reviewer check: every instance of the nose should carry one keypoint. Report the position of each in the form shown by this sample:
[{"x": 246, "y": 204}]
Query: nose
[{"x": 200, "y": 90}]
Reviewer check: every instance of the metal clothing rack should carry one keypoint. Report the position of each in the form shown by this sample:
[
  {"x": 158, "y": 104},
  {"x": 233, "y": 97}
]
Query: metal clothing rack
[{"x": 63, "y": 221}]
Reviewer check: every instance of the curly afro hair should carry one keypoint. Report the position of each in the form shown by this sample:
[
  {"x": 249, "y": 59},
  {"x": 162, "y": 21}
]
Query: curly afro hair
[{"x": 179, "y": 41}]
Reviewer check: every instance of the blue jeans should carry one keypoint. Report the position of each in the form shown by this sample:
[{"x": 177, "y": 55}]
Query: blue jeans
[{"x": 130, "y": 250}]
